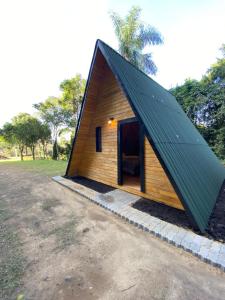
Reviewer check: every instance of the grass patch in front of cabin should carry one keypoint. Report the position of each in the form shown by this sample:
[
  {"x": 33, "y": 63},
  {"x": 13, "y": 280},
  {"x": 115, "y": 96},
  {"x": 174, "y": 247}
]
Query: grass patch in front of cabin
[
  {"x": 44, "y": 166},
  {"x": 12, "y": 262}
]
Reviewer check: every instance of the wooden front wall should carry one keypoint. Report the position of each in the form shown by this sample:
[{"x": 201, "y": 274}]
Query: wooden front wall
[{"x": 105, "y": 99}]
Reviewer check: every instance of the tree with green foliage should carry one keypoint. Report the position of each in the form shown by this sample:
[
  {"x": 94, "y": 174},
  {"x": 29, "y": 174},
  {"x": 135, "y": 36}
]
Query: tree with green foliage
[
  {"x": 204, "y": 103},
  {"x": 134, "y": 36},
  {"x": 72, "y": 95},
  {"x": 7, "y": 132},
  {"x": 53, "y": 113},
  {"x": 17, "y": 132},
  {"x": 65, "y": 145},
  {"x": 190, "y": 95},
  {"x": 6, "y": 148},
  {"x": 25, "y": 131},
  {"x": 45, "y": 137},
  {"x": 217, "y": 71},
  {"x": 20, "y": 130},
  {"x": 34, "y": 127}
]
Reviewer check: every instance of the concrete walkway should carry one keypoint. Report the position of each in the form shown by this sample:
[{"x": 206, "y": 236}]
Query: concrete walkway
[{"x": 119, "y": 202}]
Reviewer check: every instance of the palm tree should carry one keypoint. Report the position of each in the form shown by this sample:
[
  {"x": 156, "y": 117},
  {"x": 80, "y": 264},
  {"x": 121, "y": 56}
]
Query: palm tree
[{"x": 133, "y": 36}]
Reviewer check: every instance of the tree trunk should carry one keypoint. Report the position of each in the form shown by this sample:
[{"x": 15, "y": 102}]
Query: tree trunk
[
  {"x": 43, "y": 149},
  {"x": 55, "y": 150},
  {"x": 40, "y": 151},
  {"x": 33, "y": 152},
  {"x": 21, "y": 153}
]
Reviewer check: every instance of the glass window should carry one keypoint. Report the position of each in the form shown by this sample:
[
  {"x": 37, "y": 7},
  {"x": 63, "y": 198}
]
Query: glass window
[{"x": 98, "y": 139}]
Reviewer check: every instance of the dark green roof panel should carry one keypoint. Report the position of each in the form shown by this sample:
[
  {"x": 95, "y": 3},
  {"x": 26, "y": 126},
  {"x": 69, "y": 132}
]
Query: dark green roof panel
[{"x": 195, "y": 170}]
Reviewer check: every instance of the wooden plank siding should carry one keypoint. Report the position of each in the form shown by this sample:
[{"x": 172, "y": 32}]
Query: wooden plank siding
[{"x": 105, "y": 99}]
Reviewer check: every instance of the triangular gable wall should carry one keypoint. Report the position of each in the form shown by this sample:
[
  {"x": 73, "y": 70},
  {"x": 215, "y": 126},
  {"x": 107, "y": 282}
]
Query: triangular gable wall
[{"x": 104, "y": 99}]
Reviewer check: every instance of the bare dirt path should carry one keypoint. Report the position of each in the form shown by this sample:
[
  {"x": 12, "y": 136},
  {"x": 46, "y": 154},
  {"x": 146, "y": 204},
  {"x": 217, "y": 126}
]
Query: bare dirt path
[{"x": 77, "y": 250}]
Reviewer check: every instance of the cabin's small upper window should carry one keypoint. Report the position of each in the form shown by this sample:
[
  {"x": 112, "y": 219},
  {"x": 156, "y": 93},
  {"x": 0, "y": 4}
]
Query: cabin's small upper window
[{"x": 98, "y": 139}]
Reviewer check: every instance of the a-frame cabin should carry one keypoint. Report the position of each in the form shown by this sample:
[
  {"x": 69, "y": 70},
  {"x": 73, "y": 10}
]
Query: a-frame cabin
[{"x": 133, "y": 135}]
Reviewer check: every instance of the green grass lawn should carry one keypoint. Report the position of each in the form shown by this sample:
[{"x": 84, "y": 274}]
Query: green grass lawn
[{"x": 46, "y": 167}]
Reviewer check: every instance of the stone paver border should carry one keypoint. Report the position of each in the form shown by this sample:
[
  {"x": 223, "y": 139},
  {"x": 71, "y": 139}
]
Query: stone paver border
[{"x": 119, "y": 202}]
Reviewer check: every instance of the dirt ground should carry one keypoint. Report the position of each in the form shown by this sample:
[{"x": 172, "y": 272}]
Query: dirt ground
[{"x": 75, "y": 249}]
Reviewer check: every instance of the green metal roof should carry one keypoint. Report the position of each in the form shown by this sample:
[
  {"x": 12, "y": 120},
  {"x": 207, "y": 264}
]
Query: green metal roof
[{"x": 194, "y": 170}]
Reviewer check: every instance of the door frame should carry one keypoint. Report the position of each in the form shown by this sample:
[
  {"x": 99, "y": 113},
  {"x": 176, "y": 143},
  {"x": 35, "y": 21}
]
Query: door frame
[{"x": 141, "y": 152}]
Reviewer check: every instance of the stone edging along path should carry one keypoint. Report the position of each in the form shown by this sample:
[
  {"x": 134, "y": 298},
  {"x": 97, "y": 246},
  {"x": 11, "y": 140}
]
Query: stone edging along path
[{"x": 119, "y": 202}]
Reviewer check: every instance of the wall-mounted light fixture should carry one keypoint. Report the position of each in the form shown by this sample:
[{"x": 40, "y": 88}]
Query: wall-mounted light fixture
[{"x": 110, "y": 121}]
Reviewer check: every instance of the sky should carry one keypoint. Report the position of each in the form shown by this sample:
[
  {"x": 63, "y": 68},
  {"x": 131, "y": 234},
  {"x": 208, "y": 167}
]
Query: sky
[{"x": 43, "y": 42}]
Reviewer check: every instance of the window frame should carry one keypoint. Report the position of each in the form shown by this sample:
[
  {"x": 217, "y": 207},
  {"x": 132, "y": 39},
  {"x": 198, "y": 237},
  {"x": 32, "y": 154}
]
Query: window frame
[{"x": 98, "y": 139}]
